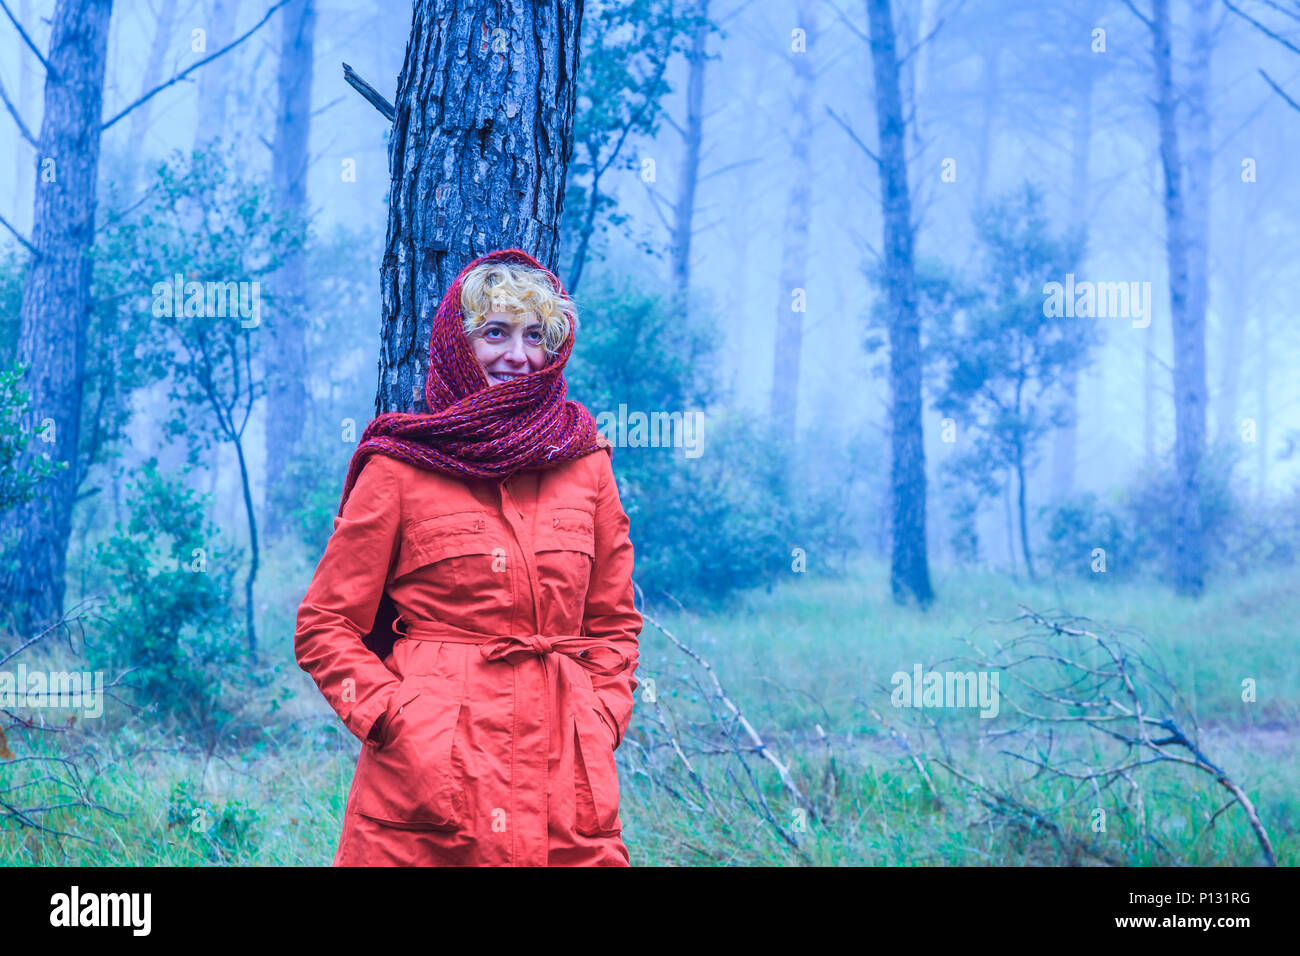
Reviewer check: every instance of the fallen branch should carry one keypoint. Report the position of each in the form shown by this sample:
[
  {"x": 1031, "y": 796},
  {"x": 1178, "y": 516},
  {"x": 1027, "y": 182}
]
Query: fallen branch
[
  {"x": 720, "y": 694},
  {"x": 1077, "y": 678}
]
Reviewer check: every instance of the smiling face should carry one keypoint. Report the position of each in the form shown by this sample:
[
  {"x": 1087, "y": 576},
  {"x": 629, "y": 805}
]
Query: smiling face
[{"x": 508, "y": 345}]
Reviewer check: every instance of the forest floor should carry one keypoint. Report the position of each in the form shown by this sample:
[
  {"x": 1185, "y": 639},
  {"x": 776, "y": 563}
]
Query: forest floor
[{"x": 808, "y": 664}]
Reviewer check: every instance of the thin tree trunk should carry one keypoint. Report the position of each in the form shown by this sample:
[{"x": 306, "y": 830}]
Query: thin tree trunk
[
  {"x": 22, "y": 149},
  {"x": 56, "y": 302},
  {"x": 1187, "y": 308},
  {"x": 213, "y": 83},
  {"x": 1065, "y": 443},
  {"x": 599, "y": 165},
  {"x": 478, "y": 157},
  {"x": 1009, "y": 520},
  {"x": 909, "y": 565},
  {"x": 1024, "y": 519},
  {"x": 988, "y": 109},
  {"x": 1148, "y": 401},
  {"x": 1261, "y": 429},
  {"x": 1233, "y": 320},
  {"x": 287, "y": 397},
  {"x": 794, "y": 241},
  {"x": 151, "y": 74},
  {"x": 688, "y": 179},
  {"x": 253, "y": 550}
]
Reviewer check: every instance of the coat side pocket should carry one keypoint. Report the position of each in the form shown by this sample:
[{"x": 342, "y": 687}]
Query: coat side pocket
[
  {"x": 408, "y": 781},
  {"x": 596, "y": 777}
]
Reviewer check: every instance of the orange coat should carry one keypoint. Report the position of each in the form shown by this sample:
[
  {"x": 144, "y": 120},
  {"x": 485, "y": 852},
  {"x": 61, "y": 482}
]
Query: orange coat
[{"x": 496, "y": 753}]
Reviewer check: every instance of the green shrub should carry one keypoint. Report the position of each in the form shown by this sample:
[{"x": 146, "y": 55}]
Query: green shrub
[
  {"x": 16, "y": 485},
  {"x": 1081, "y": 524},
  {"x": 219, "y": 833},
  {"x": 170, "y": 614},
  {"x": 732, "y": 516},
  {"x": 1139, "y": 528},
  {"x": 13, "y": 271}
]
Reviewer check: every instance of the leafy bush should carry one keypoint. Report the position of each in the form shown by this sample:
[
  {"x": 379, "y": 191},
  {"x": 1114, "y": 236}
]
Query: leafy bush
[
  {"x": 170, "y": 615},
  {"x": 16, "y": 485},
  {"x": 13, "y": 270},
  {"x": 1082, "y": 524},
  {"x": 1152, "y": 511},
  {"x": 20, "y": 481},
  {"x": 731, "y": 517},
  {"x": 1139, "y": 528}
]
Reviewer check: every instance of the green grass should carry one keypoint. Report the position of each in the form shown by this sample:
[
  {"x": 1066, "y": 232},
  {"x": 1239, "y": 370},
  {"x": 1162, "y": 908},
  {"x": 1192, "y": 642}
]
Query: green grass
[{"x": 804, "y": 655}]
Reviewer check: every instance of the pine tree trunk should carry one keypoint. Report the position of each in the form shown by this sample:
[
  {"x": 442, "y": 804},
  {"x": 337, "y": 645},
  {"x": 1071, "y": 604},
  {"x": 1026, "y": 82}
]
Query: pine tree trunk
[
  {"x": 287, "y": 398},
  {"x": 1187, "y": 305},
  {"x": 478, "y": 157},
  {"x": 1065, "y": 440},
  {"x": 688, "y": 177},
  {"x": 23, "y": 156},
  {"x": 989, "y": 84},
  {"x": 1232, "y": 333},
  {"x": 56, "y": 302},
  {"x": 909, "y": 569},
  {"x": 213, "y": 83},
  {"x": 150, "y": 76},
  {"x": 788, "y": 352}
]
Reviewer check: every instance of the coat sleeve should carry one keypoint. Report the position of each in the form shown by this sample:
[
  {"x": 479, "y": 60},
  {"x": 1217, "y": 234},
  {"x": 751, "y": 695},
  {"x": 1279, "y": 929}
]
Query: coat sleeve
[
  {"x": 610, "y": 612},
  {"x": 343, "y": 598}
]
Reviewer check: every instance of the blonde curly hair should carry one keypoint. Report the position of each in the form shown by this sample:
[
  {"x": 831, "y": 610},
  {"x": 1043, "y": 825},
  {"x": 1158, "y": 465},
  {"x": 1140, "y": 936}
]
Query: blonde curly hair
[{"x": 517, "y": 288}]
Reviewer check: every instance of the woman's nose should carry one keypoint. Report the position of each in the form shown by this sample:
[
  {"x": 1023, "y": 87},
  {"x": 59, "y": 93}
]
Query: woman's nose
[{"x": 516, "y": 351}]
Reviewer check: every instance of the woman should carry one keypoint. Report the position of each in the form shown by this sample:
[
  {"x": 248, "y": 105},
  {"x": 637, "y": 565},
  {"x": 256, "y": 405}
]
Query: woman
[{"x": 488, "y": 538}]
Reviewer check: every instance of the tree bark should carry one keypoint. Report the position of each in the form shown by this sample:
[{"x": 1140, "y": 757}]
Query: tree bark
[
  {"x": 909, "y": 566},
  {"x": 287, "y": 397},
  {"x": 479, "y": 152},
  {"x": 56, "y": 302},
  {"x": 788, "y": 352}
]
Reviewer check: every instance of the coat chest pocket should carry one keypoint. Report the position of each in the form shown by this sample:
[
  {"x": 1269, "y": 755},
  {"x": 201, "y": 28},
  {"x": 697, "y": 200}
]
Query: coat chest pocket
[
  {"x": 464, "y": 555},
  {"x": 565, "y": 546},
  {"x": 409, "y": 781}
]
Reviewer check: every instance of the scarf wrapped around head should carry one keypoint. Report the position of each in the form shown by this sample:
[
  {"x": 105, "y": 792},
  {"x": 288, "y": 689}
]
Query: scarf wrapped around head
[{"x": 477, "y": 429}]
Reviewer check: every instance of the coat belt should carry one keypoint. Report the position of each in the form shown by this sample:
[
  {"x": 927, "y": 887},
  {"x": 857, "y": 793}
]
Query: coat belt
[{"x": 510, "y": 647}]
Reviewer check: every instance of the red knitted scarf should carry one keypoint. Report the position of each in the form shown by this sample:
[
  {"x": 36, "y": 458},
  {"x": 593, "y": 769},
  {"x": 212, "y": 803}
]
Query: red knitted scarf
[{"x": 475, "y": 429}]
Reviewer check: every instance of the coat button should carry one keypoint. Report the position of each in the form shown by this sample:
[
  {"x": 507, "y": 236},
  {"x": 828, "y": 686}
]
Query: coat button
[{"x": 555, "y": 522}]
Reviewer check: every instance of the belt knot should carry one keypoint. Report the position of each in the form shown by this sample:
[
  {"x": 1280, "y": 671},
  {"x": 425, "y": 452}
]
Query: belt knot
[
  {"x": 510, "y": 647},
  {"x": 583, "y": 649}
]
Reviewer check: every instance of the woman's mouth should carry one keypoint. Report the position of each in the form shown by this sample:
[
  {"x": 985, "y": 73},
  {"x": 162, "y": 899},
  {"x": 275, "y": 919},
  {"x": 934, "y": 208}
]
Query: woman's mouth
[{"x": 505, "y": 376}]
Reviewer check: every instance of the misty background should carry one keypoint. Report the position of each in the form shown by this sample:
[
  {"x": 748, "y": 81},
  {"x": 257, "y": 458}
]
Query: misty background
[{"x": 1003, "y": 92}]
